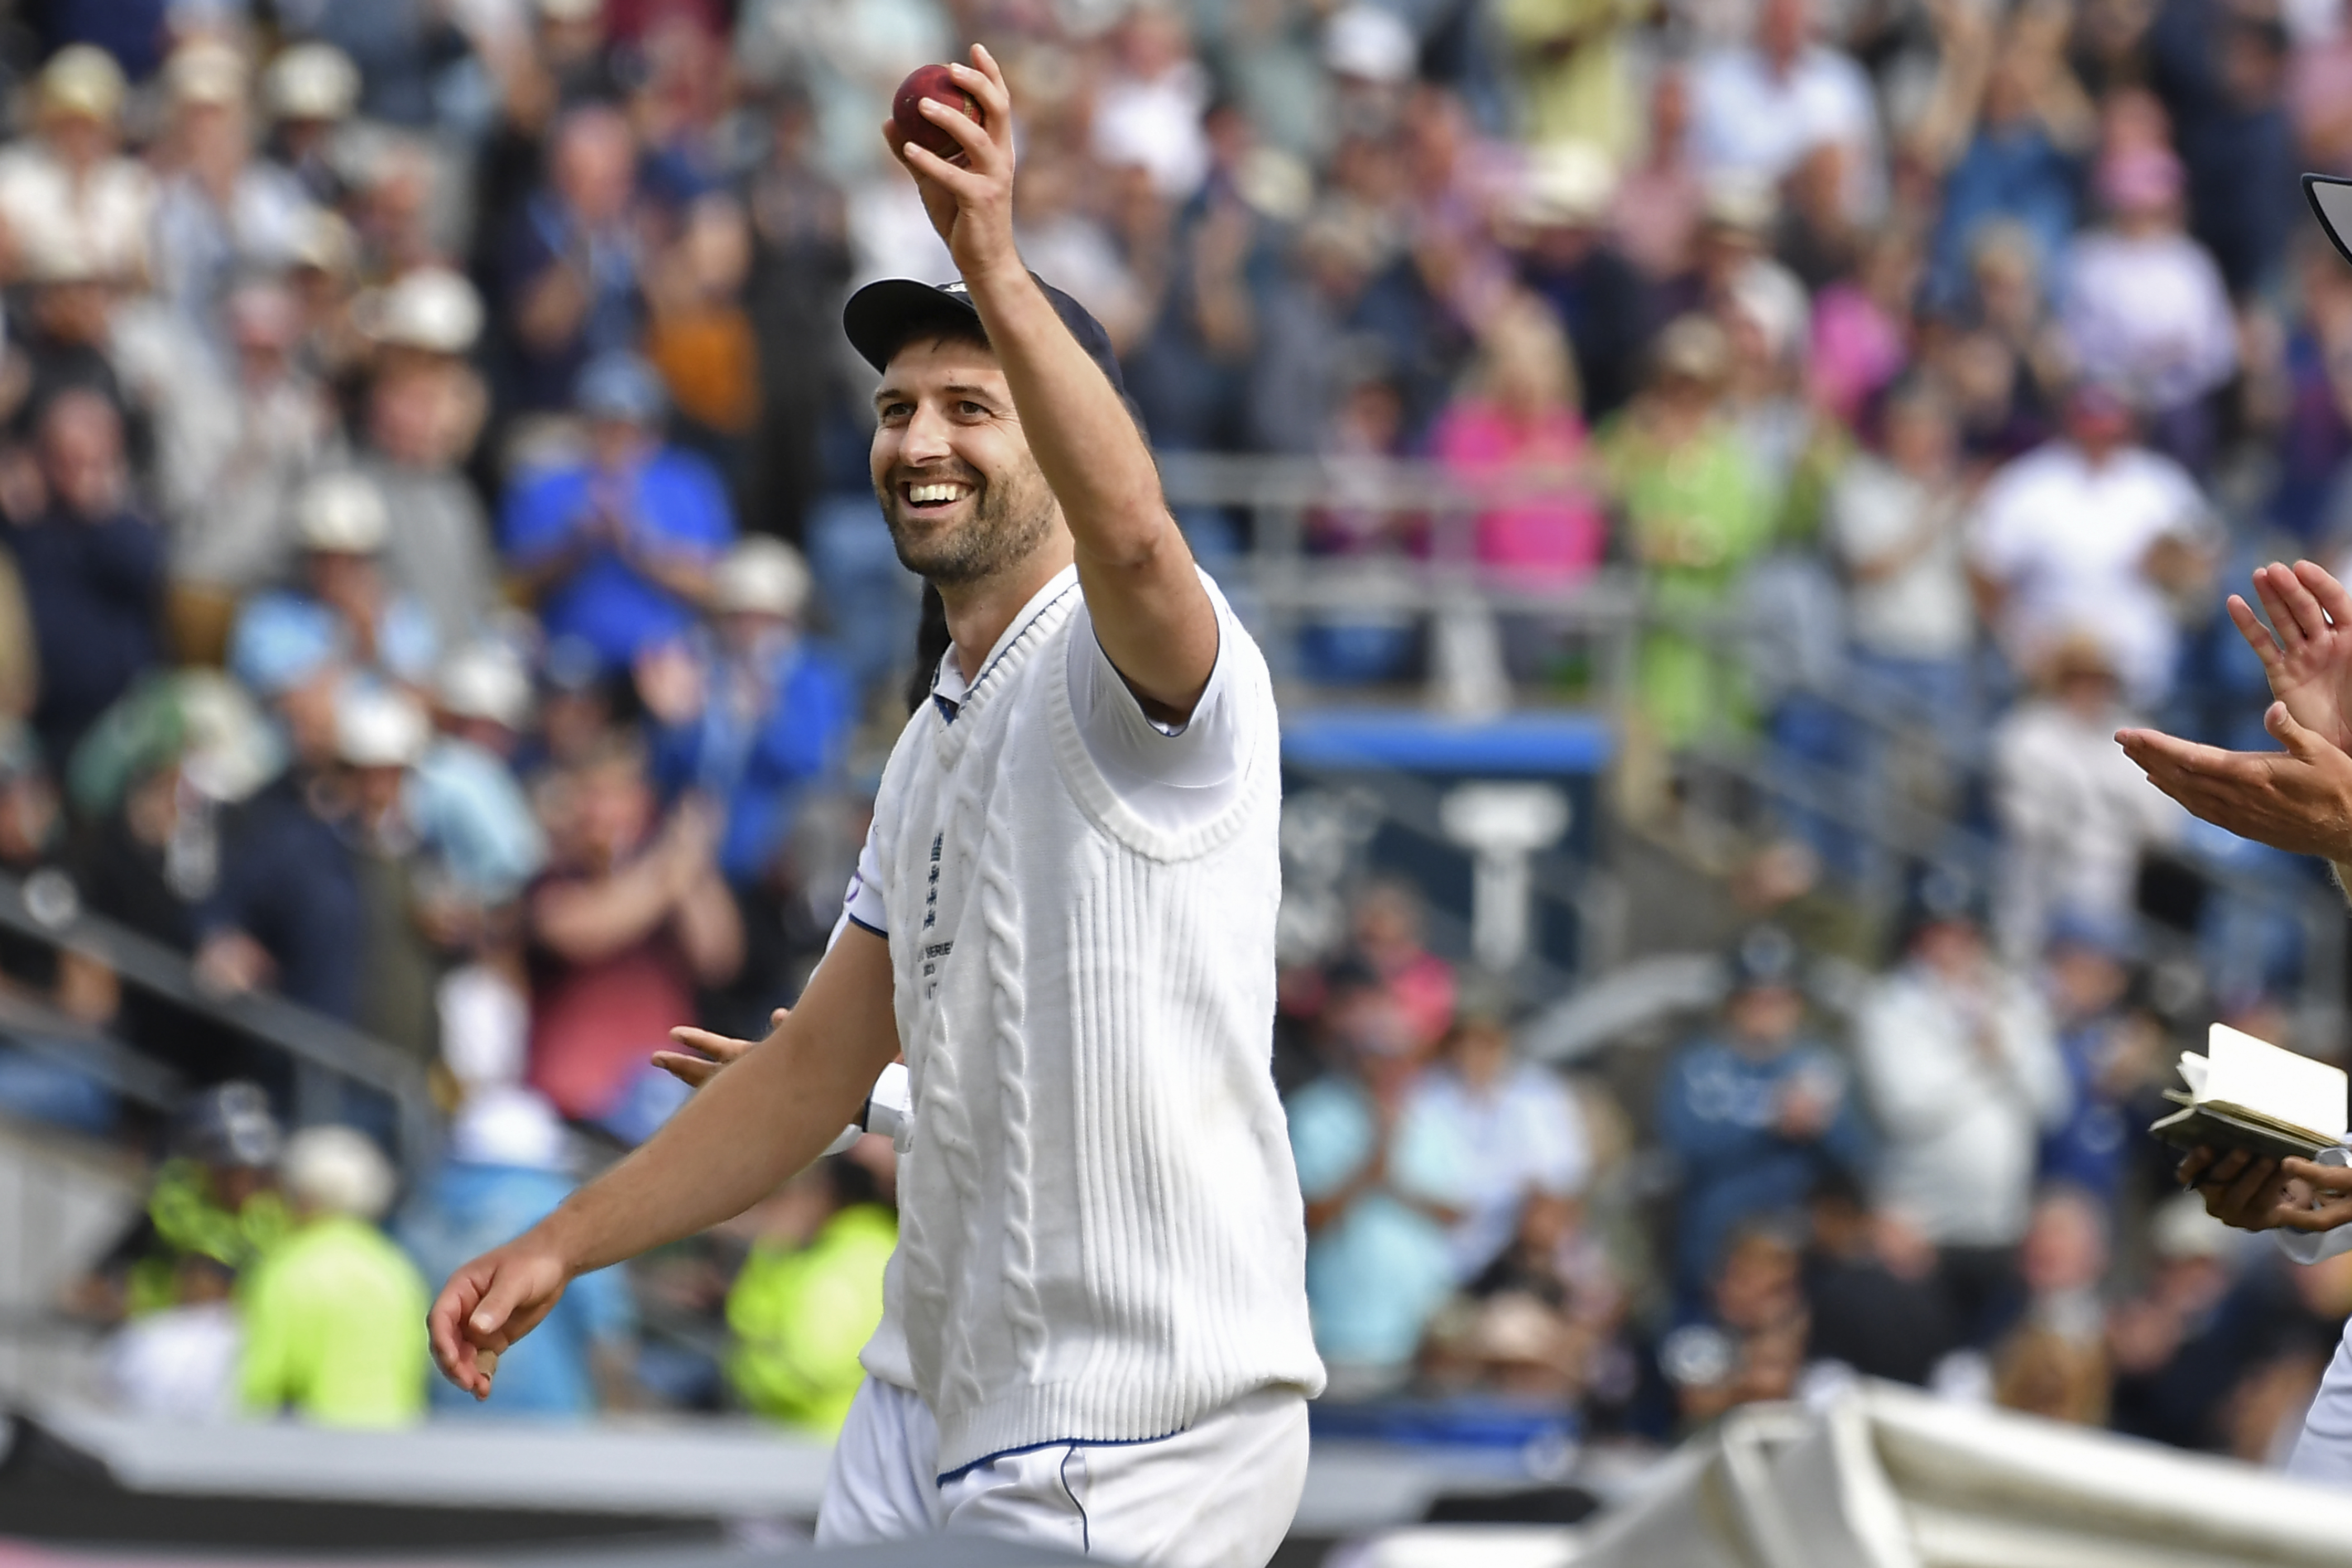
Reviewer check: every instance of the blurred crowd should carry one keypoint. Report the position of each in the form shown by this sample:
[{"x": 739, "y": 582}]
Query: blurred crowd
[
  {"x": 441, "y": 587},
  {"x": 1932, "y": 1173}
]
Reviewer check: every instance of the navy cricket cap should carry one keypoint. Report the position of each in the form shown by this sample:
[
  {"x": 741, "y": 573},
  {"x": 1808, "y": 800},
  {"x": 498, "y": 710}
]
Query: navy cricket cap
[{"x": 883, "y": 317}]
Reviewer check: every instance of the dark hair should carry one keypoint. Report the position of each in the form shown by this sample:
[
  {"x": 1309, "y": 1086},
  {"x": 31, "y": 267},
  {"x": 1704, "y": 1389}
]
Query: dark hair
[{"x": 931, "y": 642}]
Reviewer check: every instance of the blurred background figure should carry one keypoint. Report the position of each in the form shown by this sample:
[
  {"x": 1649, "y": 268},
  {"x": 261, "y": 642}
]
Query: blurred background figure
[
  {"x": 334, "y": 1316},
  {"x": 618, "y": 550},
  {"x": 810, "y": 1296},
  {"x": 1384, "y": 1188},
  {"x": 631, "y": 917},
  {"x": 754, "y": 717},
  {"x": 1755, "y": 1113},
  {"x": 507, "y": 1170},
  {"x": 1963, "y": 1076}
]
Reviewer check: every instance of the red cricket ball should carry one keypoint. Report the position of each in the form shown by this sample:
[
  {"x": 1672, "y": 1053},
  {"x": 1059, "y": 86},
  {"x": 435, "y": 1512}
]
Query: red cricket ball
[{"x": 907, "y": 113}]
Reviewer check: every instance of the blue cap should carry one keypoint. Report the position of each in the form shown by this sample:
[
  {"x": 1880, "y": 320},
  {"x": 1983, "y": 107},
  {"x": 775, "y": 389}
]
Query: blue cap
[
  {"x": 620, "y": 386},
  {"x": 2109, "y": 935}
]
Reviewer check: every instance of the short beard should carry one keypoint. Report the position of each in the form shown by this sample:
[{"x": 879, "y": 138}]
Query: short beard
[{"x": 1006, "y": 526}]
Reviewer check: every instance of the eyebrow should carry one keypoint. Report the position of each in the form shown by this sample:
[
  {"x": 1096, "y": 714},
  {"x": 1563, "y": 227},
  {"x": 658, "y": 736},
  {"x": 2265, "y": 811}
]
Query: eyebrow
[{"x": 958, "y": 388}]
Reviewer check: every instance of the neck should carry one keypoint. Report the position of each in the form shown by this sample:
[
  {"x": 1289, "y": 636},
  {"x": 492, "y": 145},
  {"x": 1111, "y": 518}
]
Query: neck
[{"x": 978, "y": 613}]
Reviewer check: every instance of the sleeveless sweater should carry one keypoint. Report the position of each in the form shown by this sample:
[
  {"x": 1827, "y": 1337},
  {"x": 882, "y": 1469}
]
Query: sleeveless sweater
[{"x": 1101, "y": 1235}]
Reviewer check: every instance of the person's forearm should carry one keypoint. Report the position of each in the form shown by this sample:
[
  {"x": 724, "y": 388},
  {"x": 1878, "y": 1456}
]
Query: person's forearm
[
  {"x": 1085, "y": 442},
  {"x": 758, "y": 1122},
  {"x": 688, "y": 579},
  {"x": 587, "y": 922}
]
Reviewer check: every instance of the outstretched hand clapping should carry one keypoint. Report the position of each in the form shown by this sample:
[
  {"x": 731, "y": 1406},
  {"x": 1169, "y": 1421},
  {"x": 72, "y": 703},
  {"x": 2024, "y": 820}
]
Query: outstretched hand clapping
[{"x": 2300, "y": 800}]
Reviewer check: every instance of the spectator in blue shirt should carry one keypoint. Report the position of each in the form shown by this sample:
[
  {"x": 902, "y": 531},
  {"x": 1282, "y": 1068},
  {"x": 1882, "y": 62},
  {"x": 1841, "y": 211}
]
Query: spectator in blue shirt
[
  {"x": 505, "y": 1172},
  {"x": 1755, "y": 1114},
  {"x": 2105, "y": 1049},
  {"x": 1385, "y": 1185},
  {"x": 92, "y": 569},
  {"x": 2023, "y": 165},
  {"x": 569, "y": 269},
  {"x": 1524, "y": 1128},
  {"x": 750, "y": 715},
  {"x": 618, "y": 550},
  {"x": 344, "y": 612}
]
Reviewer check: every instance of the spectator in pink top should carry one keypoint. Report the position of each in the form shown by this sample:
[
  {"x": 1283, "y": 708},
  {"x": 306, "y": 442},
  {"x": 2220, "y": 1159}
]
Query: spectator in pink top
[{"x": 1515, "y": 431}]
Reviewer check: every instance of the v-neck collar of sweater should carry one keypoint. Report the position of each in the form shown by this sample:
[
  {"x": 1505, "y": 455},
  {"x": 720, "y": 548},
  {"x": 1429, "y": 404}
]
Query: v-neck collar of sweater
[{"x": 951, "y": 692}]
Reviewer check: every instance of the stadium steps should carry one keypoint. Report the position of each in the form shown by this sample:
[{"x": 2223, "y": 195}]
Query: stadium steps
[{"x": 64, "y": 1200}]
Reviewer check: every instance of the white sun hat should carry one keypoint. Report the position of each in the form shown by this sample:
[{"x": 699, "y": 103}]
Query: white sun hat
[
  {"x": 428, "y": 307},
  {"x": 337, "y": 1170},
  {"x": 311, "y": 81},
  {"x": 341, "y": 514},
  {"x": 762, "y": 575},
  {"x": 376, "y": 727}
]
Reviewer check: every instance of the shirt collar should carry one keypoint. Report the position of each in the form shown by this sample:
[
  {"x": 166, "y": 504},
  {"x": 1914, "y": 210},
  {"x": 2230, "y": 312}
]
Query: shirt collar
[{"x": 951, "y": 691}]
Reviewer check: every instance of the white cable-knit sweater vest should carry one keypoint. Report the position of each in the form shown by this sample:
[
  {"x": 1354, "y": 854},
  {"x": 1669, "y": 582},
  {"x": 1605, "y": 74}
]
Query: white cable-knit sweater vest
[{"x": 1100, "y": 1231}]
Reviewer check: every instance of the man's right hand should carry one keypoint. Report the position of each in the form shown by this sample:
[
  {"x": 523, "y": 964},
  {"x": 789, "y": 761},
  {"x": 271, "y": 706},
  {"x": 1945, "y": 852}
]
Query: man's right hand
[
  {"x": 493, "y": 1301},
  {"x": 2306, "y": 650}
]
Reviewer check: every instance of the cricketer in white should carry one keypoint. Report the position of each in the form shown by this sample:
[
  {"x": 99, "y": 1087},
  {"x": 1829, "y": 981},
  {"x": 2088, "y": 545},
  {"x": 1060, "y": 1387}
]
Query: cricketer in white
[{"x": 1096, "y": 1333}]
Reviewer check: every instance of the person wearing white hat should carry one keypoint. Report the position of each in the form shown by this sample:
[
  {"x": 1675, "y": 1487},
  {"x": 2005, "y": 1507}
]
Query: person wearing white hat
[
  {"x": 463, "y": 799},
  {"x": 343, "y": 611},
  {"x": 752, "y": 715},
  {"x": 68, "y": 187},
  {"x": 1561, "y": 218},
  {"x": 222, "y": 209},
  {"x": 381, "y": 737},
  {"x": 423, "y": 406},
  {"x": 310, "y": 89},
  {"x": 231, "y": 453},
  {"x": 333, "y": 1313}
]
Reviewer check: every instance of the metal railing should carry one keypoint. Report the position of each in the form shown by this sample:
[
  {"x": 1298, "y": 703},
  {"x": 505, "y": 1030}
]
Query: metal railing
[
  {"x": 323, "y": 1054},
  {"x": 1280, "y": 588}
]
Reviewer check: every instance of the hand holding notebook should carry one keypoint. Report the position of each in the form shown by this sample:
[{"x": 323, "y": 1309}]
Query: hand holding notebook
[{"x": 2246, "y": 1094}]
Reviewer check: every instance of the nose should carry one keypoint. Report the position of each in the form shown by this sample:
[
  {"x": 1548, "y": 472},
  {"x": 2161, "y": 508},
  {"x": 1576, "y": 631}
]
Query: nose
[{"x": 926, "y": 437}]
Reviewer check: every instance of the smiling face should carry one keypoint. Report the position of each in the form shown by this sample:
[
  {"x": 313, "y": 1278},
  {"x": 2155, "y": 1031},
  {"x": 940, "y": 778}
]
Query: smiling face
[{"x": 962, "y": 495}]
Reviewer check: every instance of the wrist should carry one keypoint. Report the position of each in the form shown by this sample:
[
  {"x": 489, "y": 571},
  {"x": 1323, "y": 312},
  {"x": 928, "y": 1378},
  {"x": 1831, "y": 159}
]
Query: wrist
[
  {"x": 998, "y": 280},
  {"x": 562, "y": 1235}
]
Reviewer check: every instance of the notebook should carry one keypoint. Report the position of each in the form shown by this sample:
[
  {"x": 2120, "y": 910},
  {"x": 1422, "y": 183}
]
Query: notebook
[{"x": 2247, "y": 1094}]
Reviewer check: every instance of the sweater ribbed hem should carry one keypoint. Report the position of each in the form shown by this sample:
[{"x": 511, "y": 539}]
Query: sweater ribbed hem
[{"x": 1042, "y": 1414}]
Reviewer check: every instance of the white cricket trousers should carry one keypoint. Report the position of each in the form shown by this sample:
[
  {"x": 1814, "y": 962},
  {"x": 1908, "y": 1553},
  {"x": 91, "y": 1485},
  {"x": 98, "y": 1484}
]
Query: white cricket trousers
[{"x": 1219, "y": 1494}]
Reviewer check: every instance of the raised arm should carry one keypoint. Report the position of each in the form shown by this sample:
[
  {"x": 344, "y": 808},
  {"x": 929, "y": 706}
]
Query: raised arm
[
  {"x": 749, "y": 1129},
  {"x": 1153, "y": 615}
]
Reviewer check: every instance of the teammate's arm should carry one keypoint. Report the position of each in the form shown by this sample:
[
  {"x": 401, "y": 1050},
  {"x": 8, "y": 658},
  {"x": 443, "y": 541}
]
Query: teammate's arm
[
  {"x": 752, "y": 1126},
  {"x": 1150, "y": 613}
]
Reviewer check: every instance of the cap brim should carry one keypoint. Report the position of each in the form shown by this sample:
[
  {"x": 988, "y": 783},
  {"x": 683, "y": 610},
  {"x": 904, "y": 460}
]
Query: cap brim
[
  {"x": 881, "y": 316},
  {"x": 2331, "y": 203}
]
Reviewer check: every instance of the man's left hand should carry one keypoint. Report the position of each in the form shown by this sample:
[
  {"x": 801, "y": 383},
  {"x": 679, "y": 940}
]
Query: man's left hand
[
  {"x": 970, "y": 204},
  {"x": 2299, "y": 800}
]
